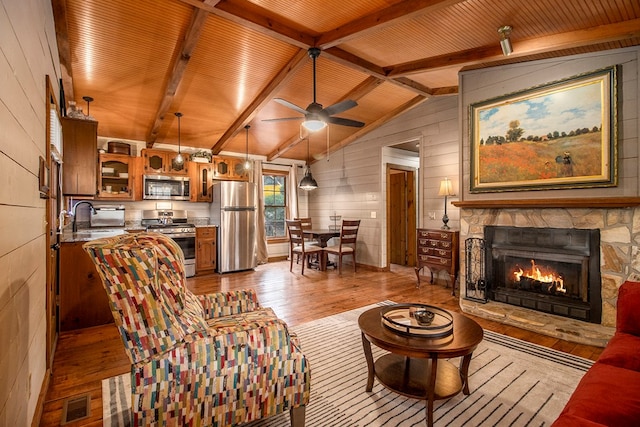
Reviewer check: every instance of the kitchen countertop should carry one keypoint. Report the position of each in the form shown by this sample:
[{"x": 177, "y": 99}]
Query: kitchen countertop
[{"x": 87, "y": 234}]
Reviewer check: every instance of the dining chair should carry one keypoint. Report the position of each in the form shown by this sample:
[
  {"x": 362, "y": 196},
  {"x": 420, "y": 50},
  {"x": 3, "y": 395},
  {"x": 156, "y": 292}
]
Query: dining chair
[
  {"x": 347, "y": 243},
  {"x": 307, "y": 224},
  {"x": 299, "y": 247}
]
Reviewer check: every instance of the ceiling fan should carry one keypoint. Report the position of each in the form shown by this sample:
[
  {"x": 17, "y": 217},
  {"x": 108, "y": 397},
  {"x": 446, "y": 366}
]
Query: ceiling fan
[{"x": 316, "y": 117}]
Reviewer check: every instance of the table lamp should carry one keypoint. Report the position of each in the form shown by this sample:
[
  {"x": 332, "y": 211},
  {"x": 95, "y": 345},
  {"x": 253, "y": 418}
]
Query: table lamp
[{"x": 446, "y": 189}]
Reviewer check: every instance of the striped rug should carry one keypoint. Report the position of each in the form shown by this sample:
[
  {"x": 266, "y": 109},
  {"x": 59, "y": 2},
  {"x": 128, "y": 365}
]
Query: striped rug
[{"x": 513, "y": 383}]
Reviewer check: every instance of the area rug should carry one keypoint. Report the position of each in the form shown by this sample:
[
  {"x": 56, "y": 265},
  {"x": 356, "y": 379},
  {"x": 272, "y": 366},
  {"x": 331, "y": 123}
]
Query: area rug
[{"x": 512, "y": 382}]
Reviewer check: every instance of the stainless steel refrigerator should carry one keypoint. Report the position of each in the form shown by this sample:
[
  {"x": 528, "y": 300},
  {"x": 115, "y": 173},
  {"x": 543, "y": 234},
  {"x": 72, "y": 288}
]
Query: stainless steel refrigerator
[{"x": 233, "y": 210}]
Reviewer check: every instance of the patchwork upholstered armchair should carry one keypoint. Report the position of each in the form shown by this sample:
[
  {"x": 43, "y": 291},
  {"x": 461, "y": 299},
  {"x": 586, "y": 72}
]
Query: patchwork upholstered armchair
[{"x": 196, "y": 360}]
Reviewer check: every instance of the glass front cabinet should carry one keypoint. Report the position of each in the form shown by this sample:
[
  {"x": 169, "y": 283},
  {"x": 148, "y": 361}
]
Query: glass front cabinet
[{"x": 115, "y": 176}]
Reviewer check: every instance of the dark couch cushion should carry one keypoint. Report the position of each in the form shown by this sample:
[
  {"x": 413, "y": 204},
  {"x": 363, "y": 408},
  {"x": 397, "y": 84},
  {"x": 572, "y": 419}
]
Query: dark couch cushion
[
  {"x": 628, "y": 315},
  {"x": 607, "y": 395},
  {"x": 622, "y": 351}
]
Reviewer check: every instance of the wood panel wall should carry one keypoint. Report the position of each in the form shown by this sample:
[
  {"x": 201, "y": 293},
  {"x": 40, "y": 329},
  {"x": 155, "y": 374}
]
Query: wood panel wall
[{"x": 28, "y": 53}]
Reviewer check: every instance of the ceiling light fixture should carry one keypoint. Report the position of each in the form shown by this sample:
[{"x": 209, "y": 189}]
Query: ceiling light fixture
[
  {"x": 505, "y": 42},
  {"x": 89, "y": 100},
  {"x": 313, "y": 121},
  {"x": 308, "y": 183},
  {"x": 247, "y": 164},
  {"x": 179, "y": 159}
]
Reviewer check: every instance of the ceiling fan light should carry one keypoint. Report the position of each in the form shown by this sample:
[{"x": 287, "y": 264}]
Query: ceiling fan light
[
  {"x": 308, "y": 183},
  {"x": 314, "y": 125}
]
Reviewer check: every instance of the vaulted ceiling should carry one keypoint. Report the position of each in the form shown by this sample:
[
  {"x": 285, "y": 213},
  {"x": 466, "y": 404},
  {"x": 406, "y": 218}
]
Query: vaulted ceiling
[{"x": 222, "y": 63}]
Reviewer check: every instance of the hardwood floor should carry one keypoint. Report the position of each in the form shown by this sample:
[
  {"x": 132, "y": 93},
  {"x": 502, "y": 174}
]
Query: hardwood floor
[{"x": 85, "y": 357}]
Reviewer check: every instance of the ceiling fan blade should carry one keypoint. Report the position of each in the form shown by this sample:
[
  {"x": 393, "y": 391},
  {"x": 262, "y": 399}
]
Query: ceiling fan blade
[
  {"x": 282, "y": 119},
  {"x": 290, "y": 105},
  {"x": 345, "y": 122},
  {"x": 340, "y": 107}
]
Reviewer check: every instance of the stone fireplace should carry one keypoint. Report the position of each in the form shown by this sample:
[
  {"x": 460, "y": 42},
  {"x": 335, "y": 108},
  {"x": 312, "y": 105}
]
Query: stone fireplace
[
  {"x": 619, "y": 259},
  {"x": 552, "y": 270}
]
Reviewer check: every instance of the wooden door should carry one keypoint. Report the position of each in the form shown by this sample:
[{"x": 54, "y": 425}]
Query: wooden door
[
  {"x": 401, "y": 215},
  {"x": 397, "y": 217}
]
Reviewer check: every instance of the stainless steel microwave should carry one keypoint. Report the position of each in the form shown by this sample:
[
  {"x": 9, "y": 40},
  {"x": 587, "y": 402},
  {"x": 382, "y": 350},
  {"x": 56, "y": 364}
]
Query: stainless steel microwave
[{"x": 165, "y": 187}]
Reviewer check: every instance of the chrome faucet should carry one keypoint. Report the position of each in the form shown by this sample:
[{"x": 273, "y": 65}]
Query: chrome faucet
[{"x": 74, "y": 227}]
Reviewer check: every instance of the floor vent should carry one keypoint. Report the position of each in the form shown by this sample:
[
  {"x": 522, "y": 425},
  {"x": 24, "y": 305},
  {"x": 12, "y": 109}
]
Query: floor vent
[{"x": 76, "y": 408}]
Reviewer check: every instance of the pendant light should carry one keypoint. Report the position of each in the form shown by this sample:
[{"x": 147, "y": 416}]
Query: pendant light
[
  {"x": 308, "y": 183},
  {"x": 179, "y": 159},
  {"x": 247, "y": 164}
]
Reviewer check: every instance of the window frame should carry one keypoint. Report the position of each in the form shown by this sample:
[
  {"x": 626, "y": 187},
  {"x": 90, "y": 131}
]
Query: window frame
[{"x": 277, "y": 173}]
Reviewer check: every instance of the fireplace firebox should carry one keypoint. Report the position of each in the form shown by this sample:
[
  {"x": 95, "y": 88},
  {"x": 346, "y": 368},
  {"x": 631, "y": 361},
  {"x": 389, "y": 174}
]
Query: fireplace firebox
[{"x": 553, "y": 270}]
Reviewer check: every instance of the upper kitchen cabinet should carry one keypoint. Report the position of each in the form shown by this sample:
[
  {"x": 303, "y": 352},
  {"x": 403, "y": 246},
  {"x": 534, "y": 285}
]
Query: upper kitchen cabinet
[
  {"x": 116, "y": 175},
  {"x": 201, "y": 176},
  {"x": 163, "y": 161},
  {"x": 229, "y": 168},
  {"x": 80, "y": 143}
]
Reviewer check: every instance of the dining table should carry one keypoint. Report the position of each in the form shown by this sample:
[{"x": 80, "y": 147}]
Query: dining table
[{"x": 322, "y": 236}]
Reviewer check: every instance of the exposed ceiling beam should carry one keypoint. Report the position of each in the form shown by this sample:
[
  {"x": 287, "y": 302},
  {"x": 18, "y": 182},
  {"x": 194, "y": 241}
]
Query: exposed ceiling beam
[
  {"x": 282, "y": 78},
  {"x": 249, "y": 15},
  {"x": 194, "y": 30},
  {"x": 376, "y": 124},
  {"x": 569, "y": 40},
  {"x": 64, "y": 52},
  {"x": 349, "y": 60},
  {"x": 391, "y": 15}
]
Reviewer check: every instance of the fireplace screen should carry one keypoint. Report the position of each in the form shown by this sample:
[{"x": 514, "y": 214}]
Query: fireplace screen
[{"x": 551, "y": 270}]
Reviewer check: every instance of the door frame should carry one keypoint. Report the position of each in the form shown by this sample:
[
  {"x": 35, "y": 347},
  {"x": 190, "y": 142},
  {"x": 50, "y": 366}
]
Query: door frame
[
  {"x": 52, "y": 209},
  {"x": 412, "y": 202}
]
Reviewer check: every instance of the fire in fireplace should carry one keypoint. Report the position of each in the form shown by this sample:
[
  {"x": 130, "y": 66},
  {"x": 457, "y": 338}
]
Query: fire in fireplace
[
  {"x": 546, "y": 269},
  {"x": 544, "y": 280}
]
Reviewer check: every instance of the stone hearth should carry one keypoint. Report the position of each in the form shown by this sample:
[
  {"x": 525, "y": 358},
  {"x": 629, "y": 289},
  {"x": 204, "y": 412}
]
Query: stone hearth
[{"x": 619, "y": 237}]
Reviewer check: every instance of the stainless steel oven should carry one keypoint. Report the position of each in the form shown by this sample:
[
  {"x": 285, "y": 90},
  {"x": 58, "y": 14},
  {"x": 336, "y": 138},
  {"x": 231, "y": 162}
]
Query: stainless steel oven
[{"x": 173, "y": 223}]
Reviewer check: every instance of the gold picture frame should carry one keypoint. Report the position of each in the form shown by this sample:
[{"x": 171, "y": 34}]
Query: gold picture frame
[{"x": 558, "y": 135}]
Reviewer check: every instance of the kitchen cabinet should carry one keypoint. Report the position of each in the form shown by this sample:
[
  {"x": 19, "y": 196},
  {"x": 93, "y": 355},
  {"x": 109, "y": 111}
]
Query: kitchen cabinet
[
  {"x": 79, "y": 151},
  {"x": 83, "y": 300},
  {"x": 163, "y": 162},
  {"x": 201, "y": 177},
  {"x": 206, "y": 242},
  {"x": 229, "y": 168},
  {"x": 438, "y": 250},
  {"x": 116, "y": 174}
]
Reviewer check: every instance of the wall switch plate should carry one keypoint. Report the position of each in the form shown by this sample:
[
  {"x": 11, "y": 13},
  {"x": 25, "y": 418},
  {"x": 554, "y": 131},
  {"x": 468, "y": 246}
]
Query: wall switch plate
[
  {"x": 373, "y": 214},
  {"x": 432, "y": 215}
]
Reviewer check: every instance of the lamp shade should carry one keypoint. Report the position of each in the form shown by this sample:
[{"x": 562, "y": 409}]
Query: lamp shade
[
  {"x": 307, "y": 182},
  {"x": 446, "y": 188}
]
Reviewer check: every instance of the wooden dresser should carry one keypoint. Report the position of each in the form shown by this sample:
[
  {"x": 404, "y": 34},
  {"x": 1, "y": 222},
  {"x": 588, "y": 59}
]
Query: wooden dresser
[{"x": 438, "y": 250}]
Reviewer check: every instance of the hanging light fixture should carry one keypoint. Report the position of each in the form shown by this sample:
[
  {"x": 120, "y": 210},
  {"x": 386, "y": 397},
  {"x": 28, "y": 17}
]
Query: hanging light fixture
[
  {"x": 179, "y": 159},
  {"x": 247, "y": 163},
  {"x": 308, "y": 183},
  {"x": 505, "y": 42}
]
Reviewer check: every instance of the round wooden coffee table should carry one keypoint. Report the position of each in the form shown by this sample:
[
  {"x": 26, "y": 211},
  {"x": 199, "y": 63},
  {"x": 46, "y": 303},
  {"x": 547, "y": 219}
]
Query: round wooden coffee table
[{"x": 413, "y": 368}]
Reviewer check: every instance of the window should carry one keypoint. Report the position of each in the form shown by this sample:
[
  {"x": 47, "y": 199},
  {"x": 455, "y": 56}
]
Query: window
[{"x": 275, "y": 203}]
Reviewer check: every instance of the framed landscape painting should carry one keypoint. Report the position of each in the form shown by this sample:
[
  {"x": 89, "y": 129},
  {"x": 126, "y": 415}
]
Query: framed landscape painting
[{"x": 558, "y": 135}]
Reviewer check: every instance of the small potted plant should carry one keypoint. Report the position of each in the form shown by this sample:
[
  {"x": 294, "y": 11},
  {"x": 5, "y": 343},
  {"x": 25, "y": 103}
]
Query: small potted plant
[{"x": 202, "y": 156}]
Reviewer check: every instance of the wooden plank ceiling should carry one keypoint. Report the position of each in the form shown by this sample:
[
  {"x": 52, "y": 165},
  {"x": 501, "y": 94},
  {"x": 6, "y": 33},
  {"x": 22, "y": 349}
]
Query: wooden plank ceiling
[{"x": 221, "y": 63}]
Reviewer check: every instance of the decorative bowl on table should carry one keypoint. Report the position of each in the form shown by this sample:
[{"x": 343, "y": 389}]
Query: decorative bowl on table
[
  {"x": 424, "y": 317},
  {"x": 418, "y": 320}
]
